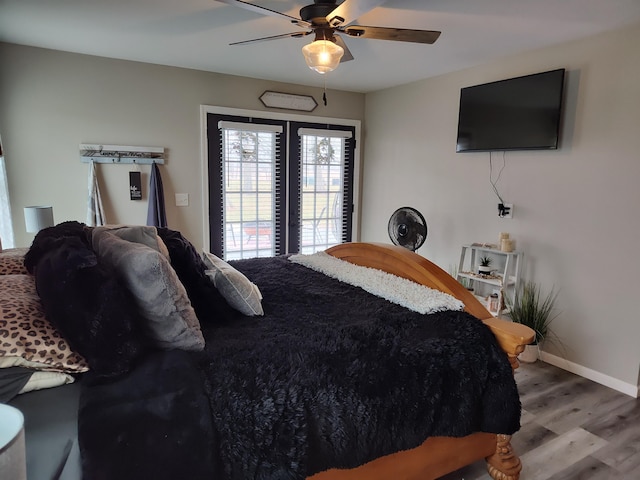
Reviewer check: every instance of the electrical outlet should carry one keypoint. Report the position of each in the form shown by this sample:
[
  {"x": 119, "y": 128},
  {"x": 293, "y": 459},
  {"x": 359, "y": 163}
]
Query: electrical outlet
[{"x": 182, "y": 199}]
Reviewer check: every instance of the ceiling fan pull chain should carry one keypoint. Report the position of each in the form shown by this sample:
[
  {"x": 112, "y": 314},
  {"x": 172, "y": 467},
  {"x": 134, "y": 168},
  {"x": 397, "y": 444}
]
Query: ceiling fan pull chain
[{"x": 324, "y": 94}]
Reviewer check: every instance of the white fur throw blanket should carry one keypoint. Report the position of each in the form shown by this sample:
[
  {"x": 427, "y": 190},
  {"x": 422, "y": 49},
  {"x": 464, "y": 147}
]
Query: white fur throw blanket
[{"x": 397, "y": 290}]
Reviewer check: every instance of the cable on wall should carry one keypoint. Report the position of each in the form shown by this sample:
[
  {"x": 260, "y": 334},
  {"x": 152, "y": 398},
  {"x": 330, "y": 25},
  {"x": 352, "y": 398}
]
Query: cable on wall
[{"x": 502, "y": 209}]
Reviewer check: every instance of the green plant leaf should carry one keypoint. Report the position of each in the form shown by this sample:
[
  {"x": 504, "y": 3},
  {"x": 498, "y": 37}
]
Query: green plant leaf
[{"x": 530, "y": 308}]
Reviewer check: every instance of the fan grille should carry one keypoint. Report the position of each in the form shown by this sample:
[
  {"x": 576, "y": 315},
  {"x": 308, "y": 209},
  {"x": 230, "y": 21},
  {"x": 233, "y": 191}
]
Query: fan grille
[{"x": 407, "y": 228}]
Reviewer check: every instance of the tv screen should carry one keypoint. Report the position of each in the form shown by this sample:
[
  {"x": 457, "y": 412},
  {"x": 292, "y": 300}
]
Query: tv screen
[{"x": 520, "y": 113}]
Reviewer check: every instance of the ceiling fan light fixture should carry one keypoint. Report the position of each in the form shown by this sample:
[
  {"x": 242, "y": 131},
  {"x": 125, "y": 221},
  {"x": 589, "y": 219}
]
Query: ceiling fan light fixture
[{"x": 322, "y": 55}]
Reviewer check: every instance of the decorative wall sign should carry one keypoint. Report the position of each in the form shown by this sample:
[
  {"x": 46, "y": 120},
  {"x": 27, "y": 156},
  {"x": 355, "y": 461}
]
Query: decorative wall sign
[
  {"x": 135, "y": 186},
  {"x": 288, "y": 101},
  {"x": 120, "y": 154}
]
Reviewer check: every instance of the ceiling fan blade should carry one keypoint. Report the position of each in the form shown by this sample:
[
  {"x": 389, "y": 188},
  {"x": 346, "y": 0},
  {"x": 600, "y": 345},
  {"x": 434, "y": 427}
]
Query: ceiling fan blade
[
  {"x": 274, "y": 37},
  {"x": 264, "y": 11},
  {"x": 349, "y": 11},
  {"x": 397, "y": 34},
  {"x": 347, "y": 53}
]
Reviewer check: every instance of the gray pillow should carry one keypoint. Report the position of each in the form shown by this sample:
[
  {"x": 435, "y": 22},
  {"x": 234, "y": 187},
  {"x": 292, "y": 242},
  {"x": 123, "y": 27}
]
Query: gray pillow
[
  {"x": 237, "y": 290},
  {"x": 161, "y": 299},
  {"x": 147, "y": 235}
]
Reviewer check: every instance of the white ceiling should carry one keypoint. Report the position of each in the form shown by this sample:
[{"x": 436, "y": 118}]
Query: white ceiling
[{"x": 196, "y": 33}]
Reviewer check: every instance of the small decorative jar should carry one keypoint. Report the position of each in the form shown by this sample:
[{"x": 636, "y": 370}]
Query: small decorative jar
[
  {"x": 493, "y": 302},
  {"x": 506, "y": 245}
]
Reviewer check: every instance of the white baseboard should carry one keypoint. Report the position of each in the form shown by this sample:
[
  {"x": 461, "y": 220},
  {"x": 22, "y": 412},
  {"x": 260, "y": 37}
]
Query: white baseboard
[{"x": 601, "y": 378}]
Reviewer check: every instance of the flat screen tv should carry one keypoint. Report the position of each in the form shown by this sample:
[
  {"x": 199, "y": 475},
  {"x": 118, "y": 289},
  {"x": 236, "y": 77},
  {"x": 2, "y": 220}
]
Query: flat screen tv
[{"x": 521, "y": 113}]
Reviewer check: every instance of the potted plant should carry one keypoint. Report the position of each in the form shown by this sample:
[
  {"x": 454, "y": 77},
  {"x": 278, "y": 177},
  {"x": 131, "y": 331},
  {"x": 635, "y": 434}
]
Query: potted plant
[
  {"x": 485, "y": 266},
  {"x": 530, "y": 308}
]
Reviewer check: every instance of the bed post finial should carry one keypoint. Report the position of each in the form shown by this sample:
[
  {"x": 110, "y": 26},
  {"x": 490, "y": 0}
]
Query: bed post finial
[
  {"x": 504, "y": 464},
  {"x": 513, "y": 360}
]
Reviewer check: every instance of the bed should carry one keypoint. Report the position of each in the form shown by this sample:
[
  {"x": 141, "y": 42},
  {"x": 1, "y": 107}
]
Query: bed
[{"x": 267, "y": 368}]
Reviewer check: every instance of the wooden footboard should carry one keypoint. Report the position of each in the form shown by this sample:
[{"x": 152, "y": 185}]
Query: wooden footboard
[{"x": 437, "y": 455}]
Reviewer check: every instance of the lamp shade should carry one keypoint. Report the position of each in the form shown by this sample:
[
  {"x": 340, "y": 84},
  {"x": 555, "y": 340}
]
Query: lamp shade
[
  {"x": 13, "y": 463},
  {"x": 322, "y": 55},
  {"x": 37, "y": 218}
]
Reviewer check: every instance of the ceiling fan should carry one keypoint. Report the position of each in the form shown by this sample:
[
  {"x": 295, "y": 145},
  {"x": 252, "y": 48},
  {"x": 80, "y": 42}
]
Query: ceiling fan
[{"x": 327, "y": 20}]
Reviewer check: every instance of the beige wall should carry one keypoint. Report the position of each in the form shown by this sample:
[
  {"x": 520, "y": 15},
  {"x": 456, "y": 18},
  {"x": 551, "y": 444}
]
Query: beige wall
[
  {"x": 576, "y": 209},
  {"x": 51, "y": 101}
]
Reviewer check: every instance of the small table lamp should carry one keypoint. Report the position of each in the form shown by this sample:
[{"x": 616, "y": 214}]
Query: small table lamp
[
  {"x": 13, "y": 463},
  {"x": 37, "y": 218}
]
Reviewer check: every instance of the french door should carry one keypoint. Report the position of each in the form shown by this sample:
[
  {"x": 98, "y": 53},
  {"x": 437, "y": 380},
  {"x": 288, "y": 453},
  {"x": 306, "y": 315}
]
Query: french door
[{"x": 278, "y": 186}]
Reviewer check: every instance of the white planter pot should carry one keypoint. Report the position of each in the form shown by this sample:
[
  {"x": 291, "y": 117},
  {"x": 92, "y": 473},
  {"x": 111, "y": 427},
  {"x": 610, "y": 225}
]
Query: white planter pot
[
  {"x": 531, "y": 354},
  {"x": 484, "y": 270}
]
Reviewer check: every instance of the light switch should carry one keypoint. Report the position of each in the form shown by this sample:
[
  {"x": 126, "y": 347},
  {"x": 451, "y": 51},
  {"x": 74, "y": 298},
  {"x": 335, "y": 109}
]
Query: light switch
[{"x": 182, "y": 199}]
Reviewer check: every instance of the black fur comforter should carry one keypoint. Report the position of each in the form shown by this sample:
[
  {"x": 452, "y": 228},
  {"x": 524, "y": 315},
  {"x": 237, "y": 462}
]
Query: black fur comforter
[{"x": 331, "y": 376}]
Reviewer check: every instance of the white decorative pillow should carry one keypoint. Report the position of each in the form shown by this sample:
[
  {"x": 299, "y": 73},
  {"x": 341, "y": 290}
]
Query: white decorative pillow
[
  {"x": 160, "y": 296},
  {"x": 238, "y": 290}
]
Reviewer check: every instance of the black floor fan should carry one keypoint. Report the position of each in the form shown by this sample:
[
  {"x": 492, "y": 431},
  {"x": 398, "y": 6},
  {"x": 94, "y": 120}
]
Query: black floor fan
[{"x": 407, "y": 228}]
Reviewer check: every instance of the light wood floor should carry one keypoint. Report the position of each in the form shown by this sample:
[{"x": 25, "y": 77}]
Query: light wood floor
[{"x": 572, "y": 429}]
